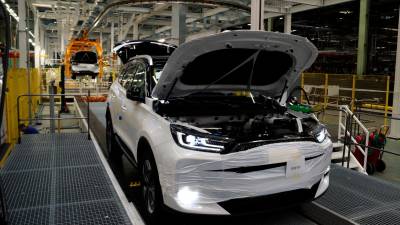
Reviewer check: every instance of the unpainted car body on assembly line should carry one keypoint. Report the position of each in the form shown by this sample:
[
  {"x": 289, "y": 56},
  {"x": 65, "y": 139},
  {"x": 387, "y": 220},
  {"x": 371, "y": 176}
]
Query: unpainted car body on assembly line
[
  {"x": 210, "y": 130},
  {"x": 84, "y": 63}
]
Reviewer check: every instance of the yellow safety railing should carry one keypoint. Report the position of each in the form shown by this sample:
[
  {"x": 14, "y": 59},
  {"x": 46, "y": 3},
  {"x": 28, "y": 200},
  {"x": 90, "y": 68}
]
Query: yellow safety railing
[
  {"x": 371, "y": 92},
  {"x": 17, "y": 84}
]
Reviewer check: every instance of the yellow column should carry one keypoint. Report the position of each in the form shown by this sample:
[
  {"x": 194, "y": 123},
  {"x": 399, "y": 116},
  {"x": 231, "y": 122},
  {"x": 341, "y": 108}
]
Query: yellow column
[
  {"x": 326, "y": 91},
  {"x": 353, "y": 94},
  {"x": 387, "y": 99}
]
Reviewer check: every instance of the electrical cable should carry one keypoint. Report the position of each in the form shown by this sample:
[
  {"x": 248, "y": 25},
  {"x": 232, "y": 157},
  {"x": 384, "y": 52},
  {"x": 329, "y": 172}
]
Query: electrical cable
[{"x": 300, "y": 89}]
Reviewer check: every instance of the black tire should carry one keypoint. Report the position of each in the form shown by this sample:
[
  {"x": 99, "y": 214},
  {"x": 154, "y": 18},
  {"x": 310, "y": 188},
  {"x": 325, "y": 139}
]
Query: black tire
[
  {"x": 380, "y": 165},
  {"x": 113, "y": 149},
  {"x": 370, "y": 168},
  {"x": 150, "y": 188}
]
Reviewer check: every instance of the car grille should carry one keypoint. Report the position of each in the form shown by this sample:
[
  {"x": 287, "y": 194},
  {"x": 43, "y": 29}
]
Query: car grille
[{"x": 239, "y": 147}]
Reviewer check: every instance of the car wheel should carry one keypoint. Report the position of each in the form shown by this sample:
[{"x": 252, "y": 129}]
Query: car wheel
[
  {"x": 113, "y": 149},
  {"x": 370, "y": 168},
  {"x": 151, "y": 189},
  {"x": 380, "y": 165}
]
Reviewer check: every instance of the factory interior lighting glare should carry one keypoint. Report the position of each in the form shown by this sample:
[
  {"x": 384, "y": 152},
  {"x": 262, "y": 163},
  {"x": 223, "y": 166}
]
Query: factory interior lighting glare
[{"x": 10, "y": 10}]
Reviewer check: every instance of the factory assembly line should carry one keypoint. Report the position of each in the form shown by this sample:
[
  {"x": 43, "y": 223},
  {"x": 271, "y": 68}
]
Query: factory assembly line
[{"x": 207, "y": 119}]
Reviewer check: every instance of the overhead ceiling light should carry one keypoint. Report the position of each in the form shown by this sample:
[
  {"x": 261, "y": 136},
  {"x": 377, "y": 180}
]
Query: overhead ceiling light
[
  {"x": 42, "y": 5},
  {"x": 10, "y": 10},
  {"x": 346, "y": 12}
]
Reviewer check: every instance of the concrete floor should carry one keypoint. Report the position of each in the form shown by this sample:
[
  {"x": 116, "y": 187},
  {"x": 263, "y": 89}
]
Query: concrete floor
[{"x": 392, "y": 172}]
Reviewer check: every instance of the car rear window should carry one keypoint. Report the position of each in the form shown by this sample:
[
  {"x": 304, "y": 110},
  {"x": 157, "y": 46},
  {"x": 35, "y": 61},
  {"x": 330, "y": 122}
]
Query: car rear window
[
  {"x": 85, "y": 57},
  {"x": 229, "y": 67}
]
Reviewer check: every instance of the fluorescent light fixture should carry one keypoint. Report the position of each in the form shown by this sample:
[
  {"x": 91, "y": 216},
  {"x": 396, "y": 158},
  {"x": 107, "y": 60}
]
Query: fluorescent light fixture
[
  {"x": 10, "y": 11},
  {"x": 42, "y": 5},
  {"x": 345, "y": 12}
]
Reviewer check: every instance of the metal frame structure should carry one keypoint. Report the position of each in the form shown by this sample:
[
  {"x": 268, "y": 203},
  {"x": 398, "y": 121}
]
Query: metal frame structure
[
  {"x": 83, "y": 44},
  {"x": 62, "y": 20},
  {"x": 55, "y": 118}
]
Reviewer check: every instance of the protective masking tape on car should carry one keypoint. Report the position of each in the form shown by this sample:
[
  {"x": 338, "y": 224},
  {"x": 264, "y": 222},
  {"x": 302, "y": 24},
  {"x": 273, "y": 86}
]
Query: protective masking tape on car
[
  {"x": 278, "y": 156},
  {"x": 255, "y": 172}
]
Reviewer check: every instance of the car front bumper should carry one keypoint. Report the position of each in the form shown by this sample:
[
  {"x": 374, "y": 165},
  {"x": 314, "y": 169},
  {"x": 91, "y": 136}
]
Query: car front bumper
[
  {"x": 85, "y": 69},
  {"x": 207, "y": 183}
]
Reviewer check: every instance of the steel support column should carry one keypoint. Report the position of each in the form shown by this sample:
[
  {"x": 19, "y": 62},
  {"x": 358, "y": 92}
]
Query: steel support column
[
  {"x": 37, "y": 41},
  {"x": 135, "y": 31},
  {"x": 43, "y": 41},
  {"x": 112, "y": 37},
  {"x": 120, "y": 28},
  {"x": 22, "y": 34},
  {"x": 270, "y": 24},
  {"x": 257, "y": 14},
  {"x": 178, "y": 23},
  {"x": 362, "y": 53},
  {"x": 395, "y": 124},
  {"x": 288, "y": 24},
  {"x": 62, "y": 37}
]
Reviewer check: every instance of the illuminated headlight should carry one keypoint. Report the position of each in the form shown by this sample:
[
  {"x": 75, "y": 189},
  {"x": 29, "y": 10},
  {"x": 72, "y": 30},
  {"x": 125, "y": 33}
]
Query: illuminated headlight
[
  {"x": 195, "y": 140},
  {"x": 320, "y": 134}
]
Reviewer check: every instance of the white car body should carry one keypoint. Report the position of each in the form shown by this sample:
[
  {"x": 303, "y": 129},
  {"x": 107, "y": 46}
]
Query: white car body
[
  {"x": 85, "y": 67},
  {"x": 201, "y": 182}
]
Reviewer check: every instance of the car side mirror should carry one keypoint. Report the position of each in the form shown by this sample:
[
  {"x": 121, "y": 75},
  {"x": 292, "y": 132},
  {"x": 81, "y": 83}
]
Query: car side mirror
[{"x": 134, "y": 94}]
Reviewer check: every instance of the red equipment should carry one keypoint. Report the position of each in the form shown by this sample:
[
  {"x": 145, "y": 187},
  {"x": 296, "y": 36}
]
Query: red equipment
[{"x": 377, "y": 139}]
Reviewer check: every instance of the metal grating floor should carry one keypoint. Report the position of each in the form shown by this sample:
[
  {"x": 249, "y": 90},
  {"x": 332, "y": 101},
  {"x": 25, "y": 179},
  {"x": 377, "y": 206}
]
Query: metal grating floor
[
  {"x": 59, "y": 179},
  {"x": 363, "y": 199}
]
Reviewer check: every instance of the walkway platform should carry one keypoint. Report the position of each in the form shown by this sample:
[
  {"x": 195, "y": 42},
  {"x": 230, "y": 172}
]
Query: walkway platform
[{"x": 59, "y": 179}]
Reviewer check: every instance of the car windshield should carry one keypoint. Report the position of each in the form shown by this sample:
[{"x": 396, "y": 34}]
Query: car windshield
[{"x": 85, "y": 57}]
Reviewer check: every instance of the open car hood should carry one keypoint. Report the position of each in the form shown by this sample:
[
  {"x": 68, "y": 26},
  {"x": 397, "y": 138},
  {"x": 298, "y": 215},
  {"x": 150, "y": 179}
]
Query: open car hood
[
  {"x": 256, "y": 61},
  {"x": 129, "y": 49}
]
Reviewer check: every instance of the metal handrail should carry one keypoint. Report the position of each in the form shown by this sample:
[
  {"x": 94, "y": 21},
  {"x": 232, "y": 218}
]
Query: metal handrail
[
  {"x": 58, "y": 119},
  {"x": 348, "y": 138}
]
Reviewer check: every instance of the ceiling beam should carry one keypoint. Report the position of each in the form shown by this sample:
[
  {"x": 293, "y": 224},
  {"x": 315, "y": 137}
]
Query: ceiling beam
[
  {"x": 208, "y": 13},
  {"x": 307, "y": 2},
  {"x": 303, "y": 7}
]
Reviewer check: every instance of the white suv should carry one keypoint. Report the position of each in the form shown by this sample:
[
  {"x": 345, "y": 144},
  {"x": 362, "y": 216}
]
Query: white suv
[{"x": 213, "y": 133}]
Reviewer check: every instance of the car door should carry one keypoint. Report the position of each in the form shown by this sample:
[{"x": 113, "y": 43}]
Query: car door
[
  {"x": 133, "y": 112},
  {"x": 114, "y": 103},
  {"x": 120, "y": 94}
]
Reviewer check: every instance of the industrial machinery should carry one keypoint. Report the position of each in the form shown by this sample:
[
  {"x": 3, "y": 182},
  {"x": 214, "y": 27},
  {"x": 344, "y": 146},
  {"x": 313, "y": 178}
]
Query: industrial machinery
[{"x": 79, "y": 45}]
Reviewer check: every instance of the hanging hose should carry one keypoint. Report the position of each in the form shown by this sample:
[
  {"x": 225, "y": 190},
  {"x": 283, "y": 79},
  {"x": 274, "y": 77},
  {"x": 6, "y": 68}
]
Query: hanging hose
[
  {"x": 300, "y": 89},
  {"x": 6, "y": 17}
]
